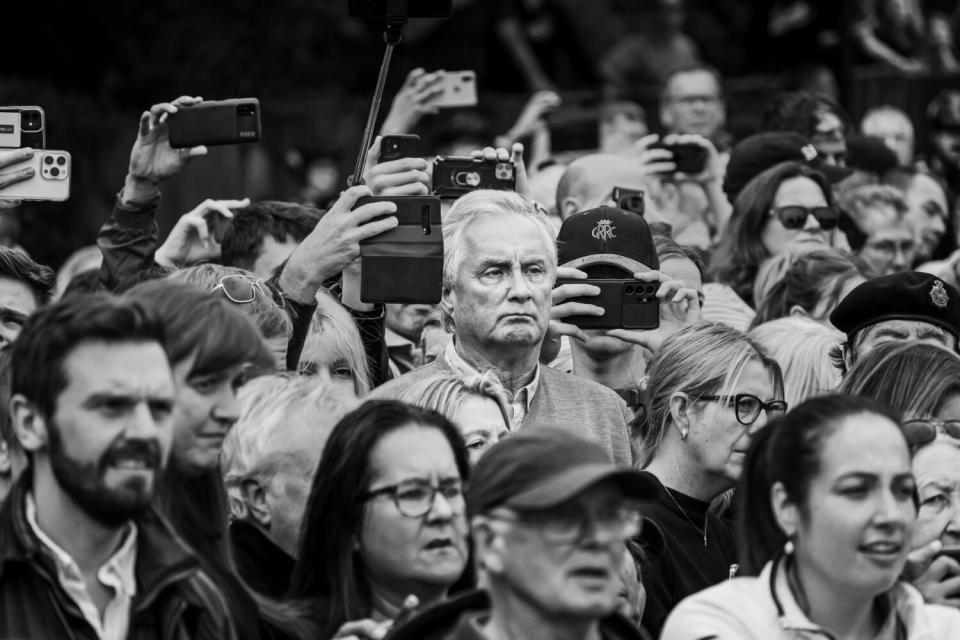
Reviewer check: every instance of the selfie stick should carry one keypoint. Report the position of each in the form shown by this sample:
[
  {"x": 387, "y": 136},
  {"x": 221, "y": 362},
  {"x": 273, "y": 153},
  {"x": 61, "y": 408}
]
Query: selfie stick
[{"x": 396, "y": 18}]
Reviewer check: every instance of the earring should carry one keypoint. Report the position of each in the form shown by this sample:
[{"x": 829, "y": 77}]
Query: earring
[
  {"x": 788, "y": 547},
  {"x": 683, "y": 434}
]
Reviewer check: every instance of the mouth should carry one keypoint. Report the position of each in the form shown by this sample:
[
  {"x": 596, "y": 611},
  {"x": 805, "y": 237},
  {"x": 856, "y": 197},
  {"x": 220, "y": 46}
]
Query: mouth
[
  {"x": 591, "y": 573},
  {"x": 882, "y": 550},
  {"x": 132, "y": 464},
  {"x": 438, "y": 544}
]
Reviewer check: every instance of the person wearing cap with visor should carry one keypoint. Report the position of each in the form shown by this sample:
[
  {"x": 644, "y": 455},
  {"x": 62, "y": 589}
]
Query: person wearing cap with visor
[
  {"x": 550, "y": 514},
  {"x": 908, "y": 306}
]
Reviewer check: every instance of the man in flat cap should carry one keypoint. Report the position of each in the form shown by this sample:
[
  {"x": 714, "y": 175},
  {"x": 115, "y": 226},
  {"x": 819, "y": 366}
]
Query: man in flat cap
[
  {"x": 550, "y": 514},
  {"x": 906, "y": 307}
]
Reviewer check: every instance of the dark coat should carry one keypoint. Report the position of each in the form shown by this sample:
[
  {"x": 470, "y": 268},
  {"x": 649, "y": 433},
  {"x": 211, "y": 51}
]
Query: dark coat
[{"x": 175, "y": 600}]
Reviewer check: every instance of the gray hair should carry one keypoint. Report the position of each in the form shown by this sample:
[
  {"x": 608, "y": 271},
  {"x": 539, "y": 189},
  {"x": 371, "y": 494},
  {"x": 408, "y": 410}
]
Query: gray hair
[{"x": 468, "y": 209}]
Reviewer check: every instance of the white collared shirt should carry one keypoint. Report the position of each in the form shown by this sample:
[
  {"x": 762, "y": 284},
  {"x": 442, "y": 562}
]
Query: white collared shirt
[
  {"x": 116, "y": 574},
  {"x": 520, "y": 402}
]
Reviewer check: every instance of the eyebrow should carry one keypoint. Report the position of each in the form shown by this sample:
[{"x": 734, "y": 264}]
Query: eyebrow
[
  {"x": 929, "y": 332},
  {"x": 889, "y": 333},
  {"x": 6, "y": 313}
]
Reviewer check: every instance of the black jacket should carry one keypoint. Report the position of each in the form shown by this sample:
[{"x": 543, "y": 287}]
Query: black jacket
[
  {"x": 451, "y": 620},
  {"x": 174, "y": 600}
]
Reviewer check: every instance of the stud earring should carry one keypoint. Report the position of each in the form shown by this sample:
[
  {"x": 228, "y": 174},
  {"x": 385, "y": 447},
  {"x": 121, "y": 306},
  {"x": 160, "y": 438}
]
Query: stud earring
[
  {"x": 683, "y": 434},
  {"x": 788, "y": 547}
]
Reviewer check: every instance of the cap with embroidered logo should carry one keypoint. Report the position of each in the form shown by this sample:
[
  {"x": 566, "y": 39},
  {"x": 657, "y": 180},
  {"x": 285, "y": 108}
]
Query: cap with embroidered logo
[{"x": 607, "y": 242}]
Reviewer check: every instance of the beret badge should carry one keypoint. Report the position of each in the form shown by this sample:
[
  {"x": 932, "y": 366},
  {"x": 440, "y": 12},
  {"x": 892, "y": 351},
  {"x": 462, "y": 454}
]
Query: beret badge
[{"x": 939, "y": 296}]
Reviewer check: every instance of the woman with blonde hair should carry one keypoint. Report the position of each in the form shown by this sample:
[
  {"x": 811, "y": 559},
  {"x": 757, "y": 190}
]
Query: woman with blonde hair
[
  {"x": 477, "y": 405},
  {"x": 334, "y": 348},
  {"x": 711, "y": 388},
  {"x": 801, "y": 346}
]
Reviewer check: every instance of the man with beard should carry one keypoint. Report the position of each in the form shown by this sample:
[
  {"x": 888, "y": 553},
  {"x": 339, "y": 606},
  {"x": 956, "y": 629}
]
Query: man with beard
[{"x": 81, "y": 552}]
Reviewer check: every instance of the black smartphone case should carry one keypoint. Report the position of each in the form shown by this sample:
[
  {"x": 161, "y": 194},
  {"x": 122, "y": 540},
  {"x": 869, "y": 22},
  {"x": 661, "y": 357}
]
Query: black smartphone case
[
  {"x": 215, "y": 123},
  {"x": 399, "y": 146},
  {"x": 629, "y": 304},
  {"x": 404, "y": 264},
  {"x": 454, "y": 176}
]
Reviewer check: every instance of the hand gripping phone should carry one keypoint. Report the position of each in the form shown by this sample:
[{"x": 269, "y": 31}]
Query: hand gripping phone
[
  {"x": 629, "y": 199},
  {"x": 399, "y": 146},
  {"x": 215, "y": 123},
  {"x": 22, "y": 127},
  {"x": 690, "y": 159},
  {"x": 404, "y": 264},
  {"x": 628, "y": 304},
  {"x": 50, "y": 181},
  {"x": 454, "y": 176}
]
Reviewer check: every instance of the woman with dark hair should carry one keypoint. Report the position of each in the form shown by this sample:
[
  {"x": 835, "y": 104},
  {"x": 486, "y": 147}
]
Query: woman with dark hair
[
  {"x": 786, "y": 209},
  {"x": 211, "y": 346},
  {"x": 385, "y": 520},
  {"x": 710, "y": 390},
  {"x": 812, "y": 286},
  {"x": 827, "y": 508}
]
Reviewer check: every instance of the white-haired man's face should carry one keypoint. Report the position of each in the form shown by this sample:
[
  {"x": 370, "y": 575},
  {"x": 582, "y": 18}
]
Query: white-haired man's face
[{"x": 502, "y": 293}]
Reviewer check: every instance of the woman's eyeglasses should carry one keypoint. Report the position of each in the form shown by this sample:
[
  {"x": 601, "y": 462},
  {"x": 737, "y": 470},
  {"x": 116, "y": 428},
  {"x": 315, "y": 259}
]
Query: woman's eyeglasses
[
  {"x": 795, "y": 216},
  {"x": 243, "y": 289},
  {"x": 415, "y": 498},
  {"x": 919, "y": 431},
  {"x": 749, "y": 407}
]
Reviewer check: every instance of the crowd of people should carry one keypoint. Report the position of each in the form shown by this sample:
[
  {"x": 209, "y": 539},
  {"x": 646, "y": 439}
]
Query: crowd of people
[{"x": 218, "y": 435}]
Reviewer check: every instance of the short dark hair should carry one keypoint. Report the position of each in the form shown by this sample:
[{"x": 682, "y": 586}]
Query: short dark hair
[
  {"x": 202, "y": 324},
  {"x": 50, "y": 334},
  {"x": 40, "y": 279},
  {"x": 799, "y": 111},
  {"x": 327, "y": 567},
  {"x": 243, "y": 240},
  {"x": 788, "y": 450},
  {"x": 668, "y": 248}
]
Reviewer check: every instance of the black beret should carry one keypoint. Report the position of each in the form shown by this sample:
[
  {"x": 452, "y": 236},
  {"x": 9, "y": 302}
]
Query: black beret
[
  {"x": 757, "y": 153},
  {"x": 871, "y": 154},
  {"x": 908, "y": 295}
]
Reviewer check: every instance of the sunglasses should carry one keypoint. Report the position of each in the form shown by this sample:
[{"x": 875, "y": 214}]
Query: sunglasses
[
  {"x": 919, "y": 432},
  {"x": 795, "y": 216},
  {"x": 243, "y": 289}
]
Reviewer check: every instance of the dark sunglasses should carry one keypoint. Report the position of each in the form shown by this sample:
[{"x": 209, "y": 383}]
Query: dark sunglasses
[
  {"x": 919, "y": 432},
  {"x": 243, "y": 289},
  {"x": 795, "y": 216}
]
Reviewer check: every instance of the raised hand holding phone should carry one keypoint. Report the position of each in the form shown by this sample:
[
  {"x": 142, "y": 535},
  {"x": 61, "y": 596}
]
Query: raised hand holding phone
[{"x": 405, "y": 176}]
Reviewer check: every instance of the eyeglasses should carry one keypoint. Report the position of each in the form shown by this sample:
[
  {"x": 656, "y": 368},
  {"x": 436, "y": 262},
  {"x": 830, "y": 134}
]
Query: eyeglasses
[
  {"x": 920, "y": 431},
  {"x": 749, "y": 406},
  {"x": 568, "y": 524},
  {"x": 243, "y": 289},
  {"x": 415, "y": 498},
  {"x": 795, "y": 216}
]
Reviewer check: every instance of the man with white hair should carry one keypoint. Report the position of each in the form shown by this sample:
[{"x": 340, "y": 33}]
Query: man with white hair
[
  {"x": 268, "y": 461},
  {"x": 500, "y": 262}
]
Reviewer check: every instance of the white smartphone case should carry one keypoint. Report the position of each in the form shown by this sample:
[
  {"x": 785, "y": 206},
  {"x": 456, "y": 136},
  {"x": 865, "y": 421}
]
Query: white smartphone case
[{"x": 51, "y": 179}]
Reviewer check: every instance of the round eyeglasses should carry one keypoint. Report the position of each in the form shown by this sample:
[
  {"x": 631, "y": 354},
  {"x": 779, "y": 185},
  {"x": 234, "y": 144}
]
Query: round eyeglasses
[{"x": 749, "y": 406}]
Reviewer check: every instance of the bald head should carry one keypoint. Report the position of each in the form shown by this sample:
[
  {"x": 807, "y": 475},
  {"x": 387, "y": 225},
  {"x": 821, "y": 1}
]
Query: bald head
[{"x": 589, "y": 181}]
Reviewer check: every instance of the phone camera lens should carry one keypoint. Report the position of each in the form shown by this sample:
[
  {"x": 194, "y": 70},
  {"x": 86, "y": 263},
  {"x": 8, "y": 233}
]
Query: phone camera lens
[
  {"x": 54, "y": 172},
  {"x": 61, "y": 161},
  {"x": 629, "y": 290},
  {"x": 48, "y": 160}
]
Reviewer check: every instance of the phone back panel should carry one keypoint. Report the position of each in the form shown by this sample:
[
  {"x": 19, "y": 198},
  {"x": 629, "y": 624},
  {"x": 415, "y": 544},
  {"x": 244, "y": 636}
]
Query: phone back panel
[
  {"x": 22, "y": 127},
  {"x": 51, "y": 179},
  {"x": 628, "y": 303},
  {"x": 404, "y": 264},
  {"x": 216, "y": 122},
  {"x": 459, "y": 90}
]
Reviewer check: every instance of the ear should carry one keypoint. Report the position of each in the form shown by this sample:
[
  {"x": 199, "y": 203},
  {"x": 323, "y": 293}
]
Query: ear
[
  {"x": 796, "y": 311},
  {"x": 568, "y": 207},
  {"x": 488, "y": 545},
  {"x": 6, "y": 464},
  {"x": 848, "y": 359},
  {"x": 256, "y": 500},
  {"x": 666, "y": 116},
  {"x": 28, "y": 423},
  {"x": 680, "y": 408},
  {"x": 447, "y": 303},
  {"x": 785, "y": 511}
]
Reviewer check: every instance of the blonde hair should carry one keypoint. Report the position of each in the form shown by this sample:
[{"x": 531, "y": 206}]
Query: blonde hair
[
  {"x": 802, "y": 348},
  {"x": 702, "y": 359},
  {"x": 333, "y": 335},
  {"x": 445, "y": 393},
  {"x": 272, "y": 408},
  {"x": 469, "y": 208}
]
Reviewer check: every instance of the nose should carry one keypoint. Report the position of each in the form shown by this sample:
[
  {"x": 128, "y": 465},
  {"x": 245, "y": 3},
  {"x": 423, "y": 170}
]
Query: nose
[
  {"x": 759, "y": 423},
  {"x": 890, "y": 510},
  {"x": 938, "y": 224},
  {"x": 812, "y": 224},
  {"x": 142, "y": 424},
  {"x": 226, "y": 408},
  {"x": 519, "y": 287},
  {"x": 900, "y": 259},
  {"x": 441, "y": 510}
]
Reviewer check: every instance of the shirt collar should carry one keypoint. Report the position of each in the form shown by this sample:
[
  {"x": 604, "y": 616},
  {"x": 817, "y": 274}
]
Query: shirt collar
[
  {"x": 463, "y": 368},
  {"x": 121, "y": 564}
]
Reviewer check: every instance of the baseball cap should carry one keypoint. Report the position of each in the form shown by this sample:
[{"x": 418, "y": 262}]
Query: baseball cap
[
  {"x": 542, "y": 467},
  {"x": 870, "y": 154},
  {"x": 598, "y": 239},
  {"x": 908, "y": 295},
  {"x": 755, "y": 154}
]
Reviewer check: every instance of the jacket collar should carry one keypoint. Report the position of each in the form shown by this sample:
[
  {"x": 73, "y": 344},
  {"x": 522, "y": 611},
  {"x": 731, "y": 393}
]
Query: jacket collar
[
  {"x": 905, "y": 605},
  {"x": 161, "y": 555}
]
